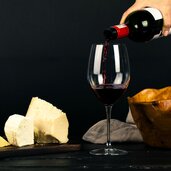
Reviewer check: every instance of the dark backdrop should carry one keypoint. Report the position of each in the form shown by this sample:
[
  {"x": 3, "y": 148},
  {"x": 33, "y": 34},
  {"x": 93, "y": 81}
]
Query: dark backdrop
[{"x": 44, "y": 50}]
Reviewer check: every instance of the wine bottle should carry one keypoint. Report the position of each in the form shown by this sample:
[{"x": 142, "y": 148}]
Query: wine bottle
[{"x": 140, "y": 26}]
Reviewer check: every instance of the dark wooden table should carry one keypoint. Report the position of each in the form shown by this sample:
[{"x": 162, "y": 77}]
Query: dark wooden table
[{"x": 139, "y": 157}]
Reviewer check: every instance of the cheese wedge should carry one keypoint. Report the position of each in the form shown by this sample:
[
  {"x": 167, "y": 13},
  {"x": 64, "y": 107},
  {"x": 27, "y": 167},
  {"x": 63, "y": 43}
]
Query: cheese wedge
[
  {"x": 19, "y": 130},
  {"x": 3, "y": 142},
  {"x": 50, "y": 123}
]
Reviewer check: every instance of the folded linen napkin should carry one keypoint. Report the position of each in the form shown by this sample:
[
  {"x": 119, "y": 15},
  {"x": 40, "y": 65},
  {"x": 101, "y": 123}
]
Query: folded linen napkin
[
  {"x": 129, "y": 118},
  {"x": 120, "y": 131}
]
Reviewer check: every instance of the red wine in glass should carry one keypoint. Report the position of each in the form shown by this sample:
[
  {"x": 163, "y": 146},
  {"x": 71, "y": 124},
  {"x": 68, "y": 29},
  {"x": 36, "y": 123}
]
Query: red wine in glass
[
  {"x": 108, "y": 94},
  {"x": 108, "y": 75}
]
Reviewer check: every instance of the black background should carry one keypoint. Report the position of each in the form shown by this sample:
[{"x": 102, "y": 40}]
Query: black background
[{"x": 44, "y": 50}]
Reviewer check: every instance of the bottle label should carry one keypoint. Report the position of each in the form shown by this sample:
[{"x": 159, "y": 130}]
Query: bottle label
[
  {"x": 155, "y": 13},
  {"x": 157, "y": 35},
  {"x": 157, "y": 16},
  {"x": 160, "y": 34},
  {"x": 122, "y": 30}
]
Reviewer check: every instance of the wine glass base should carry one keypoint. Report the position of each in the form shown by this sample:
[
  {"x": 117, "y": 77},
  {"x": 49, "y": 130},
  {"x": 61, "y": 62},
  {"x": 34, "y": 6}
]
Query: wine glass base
[{"x": 108, "y": 151}]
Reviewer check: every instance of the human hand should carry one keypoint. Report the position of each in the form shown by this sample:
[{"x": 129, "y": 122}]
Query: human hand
[{"x": 164, "y": 6}]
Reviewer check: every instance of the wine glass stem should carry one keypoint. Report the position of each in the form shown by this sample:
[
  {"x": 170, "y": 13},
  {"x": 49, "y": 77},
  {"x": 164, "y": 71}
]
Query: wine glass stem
[{"x": 108, "y": 109}]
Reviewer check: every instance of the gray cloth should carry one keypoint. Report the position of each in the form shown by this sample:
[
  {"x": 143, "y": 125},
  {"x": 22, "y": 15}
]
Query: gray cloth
[
  {"x": 120, "y": 132},
  {"x": 129, "y": 118}
]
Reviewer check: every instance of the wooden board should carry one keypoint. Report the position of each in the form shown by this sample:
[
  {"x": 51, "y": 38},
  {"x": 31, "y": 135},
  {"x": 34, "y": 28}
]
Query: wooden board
[{"x": 37, "y": 149}]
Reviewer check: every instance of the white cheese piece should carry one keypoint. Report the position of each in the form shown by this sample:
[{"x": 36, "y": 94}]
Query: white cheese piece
[
  {"x": 19, "y": 130},
  {"x": 50, "y": 123}
]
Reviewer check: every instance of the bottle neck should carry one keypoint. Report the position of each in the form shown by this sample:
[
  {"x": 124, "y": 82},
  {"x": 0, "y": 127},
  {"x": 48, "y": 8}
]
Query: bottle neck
[{"x": 122, "y": 30}]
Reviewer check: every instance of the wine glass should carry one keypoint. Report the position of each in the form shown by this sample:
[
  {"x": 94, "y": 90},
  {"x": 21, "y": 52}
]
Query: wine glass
[{"x": 108, "y": 75}]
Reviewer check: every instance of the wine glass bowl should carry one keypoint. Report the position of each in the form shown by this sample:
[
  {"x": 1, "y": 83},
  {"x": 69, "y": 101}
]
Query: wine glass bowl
[{"x": 108, "y": 75}]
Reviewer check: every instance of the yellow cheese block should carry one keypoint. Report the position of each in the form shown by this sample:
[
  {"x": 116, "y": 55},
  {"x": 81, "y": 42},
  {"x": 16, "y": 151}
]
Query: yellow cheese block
[
  {"x": 50, "y": 123},
  {"x": 3, "y": 142}
]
